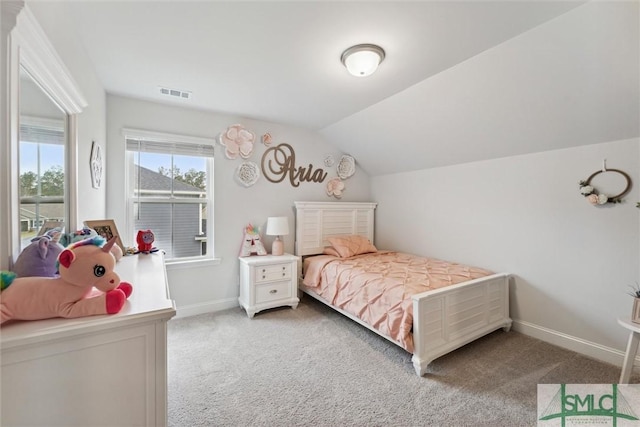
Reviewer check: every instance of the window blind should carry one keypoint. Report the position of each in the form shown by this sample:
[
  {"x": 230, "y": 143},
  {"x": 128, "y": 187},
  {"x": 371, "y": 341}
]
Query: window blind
[
  {"x": 166, "y": 143},
  {"x": 162, "y": 147},
  {"x": 39, "y": 134}
]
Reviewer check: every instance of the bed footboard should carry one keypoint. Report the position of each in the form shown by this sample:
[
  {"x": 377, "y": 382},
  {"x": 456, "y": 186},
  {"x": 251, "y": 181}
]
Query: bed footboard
[{"x": 448, "y": 318}]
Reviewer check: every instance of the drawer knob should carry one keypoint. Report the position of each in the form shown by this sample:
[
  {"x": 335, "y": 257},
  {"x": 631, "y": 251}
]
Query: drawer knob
[
  {"x": 273, "y": 291},
  {"x": 284, "y": 274},
  {"x": 263, "y": 276},
  {"x": 263, "y": 270}
]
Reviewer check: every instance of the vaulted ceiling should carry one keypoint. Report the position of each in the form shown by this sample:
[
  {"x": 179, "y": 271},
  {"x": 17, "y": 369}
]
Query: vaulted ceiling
[{"x": 462, "y": 80}]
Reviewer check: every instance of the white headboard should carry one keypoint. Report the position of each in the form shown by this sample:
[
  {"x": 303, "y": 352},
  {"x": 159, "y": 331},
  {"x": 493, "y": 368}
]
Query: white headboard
[{"x": 317, "y": 221}]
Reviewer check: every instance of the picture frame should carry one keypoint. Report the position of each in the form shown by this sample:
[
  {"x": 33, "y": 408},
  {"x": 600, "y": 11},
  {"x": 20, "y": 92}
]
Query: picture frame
[
  {"x": 50, "y": 225},
  {"x": 107, "y": 229},
  {"x": 95, "y": 165}
]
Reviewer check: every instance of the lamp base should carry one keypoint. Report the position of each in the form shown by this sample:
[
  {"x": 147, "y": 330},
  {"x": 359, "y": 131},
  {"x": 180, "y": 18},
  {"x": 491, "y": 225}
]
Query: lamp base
[{"x": 278, "y": 247}]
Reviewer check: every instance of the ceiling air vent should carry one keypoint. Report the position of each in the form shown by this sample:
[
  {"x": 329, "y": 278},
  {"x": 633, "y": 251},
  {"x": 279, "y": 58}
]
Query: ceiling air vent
[{"x": 175, "y": 93}]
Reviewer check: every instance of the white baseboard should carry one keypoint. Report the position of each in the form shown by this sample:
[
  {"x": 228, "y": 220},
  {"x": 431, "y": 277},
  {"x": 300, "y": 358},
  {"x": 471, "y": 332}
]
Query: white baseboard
[
  {"x": 207, "y": 307},
  {"x": 587, "y": 348}
]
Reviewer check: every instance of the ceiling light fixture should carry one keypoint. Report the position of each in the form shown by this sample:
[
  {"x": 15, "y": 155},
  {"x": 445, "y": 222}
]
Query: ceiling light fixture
[{"x": 363, "y": 59}]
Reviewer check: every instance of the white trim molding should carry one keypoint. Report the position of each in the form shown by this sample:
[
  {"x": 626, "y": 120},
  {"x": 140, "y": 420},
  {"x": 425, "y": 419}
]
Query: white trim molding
[
  {"x": 579, "y": 345},
  {"x": 9, "y": 11},
  {"x": 40, "y": 59},
  {"x": 208, "y": 307}
]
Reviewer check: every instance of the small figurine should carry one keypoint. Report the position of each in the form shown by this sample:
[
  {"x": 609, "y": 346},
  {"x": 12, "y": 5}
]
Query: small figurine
[
  {"x": 145, "y": 240},
  {"x": 251, "y": 242}
]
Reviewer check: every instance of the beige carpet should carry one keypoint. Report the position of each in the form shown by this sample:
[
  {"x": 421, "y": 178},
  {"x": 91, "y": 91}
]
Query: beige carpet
[{"x": 314, "y": 367}]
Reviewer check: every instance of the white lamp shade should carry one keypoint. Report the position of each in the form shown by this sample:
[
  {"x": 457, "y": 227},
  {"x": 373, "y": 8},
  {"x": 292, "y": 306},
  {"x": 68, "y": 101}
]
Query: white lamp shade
[
  {"x": 362, "y": 60},
  {"x": 277, "y": 226}
]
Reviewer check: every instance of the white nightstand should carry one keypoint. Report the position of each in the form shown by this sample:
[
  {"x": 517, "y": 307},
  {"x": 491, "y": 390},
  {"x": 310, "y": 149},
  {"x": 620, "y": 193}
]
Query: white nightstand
[{"x": 268, "y": 281}]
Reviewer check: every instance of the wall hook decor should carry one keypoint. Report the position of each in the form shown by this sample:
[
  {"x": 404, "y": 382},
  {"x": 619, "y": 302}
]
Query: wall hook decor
[{"x": 594, "y": 196}]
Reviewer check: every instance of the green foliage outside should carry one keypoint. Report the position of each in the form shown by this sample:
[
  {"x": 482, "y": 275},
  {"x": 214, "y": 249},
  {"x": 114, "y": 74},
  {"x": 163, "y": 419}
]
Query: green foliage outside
[
  {"x": 192, "y": 177},
  {"x": 51, "y": 183}
]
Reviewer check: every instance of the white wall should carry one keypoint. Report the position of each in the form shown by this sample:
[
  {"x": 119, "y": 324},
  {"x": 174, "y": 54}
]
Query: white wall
[
  {"x": 572, "y": 262},
  {"x": 199, "y": 289}
]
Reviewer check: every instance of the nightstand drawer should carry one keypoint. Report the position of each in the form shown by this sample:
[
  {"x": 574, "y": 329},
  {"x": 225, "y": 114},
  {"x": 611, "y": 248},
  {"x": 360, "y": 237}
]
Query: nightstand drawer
[
  {"x": 272, "y": 292},
  {"x": 269, "y": 273}
]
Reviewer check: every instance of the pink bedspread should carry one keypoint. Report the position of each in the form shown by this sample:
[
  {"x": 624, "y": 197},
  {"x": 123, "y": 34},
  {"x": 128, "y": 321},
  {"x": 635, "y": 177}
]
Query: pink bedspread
[{"x": 377, "y": 287}]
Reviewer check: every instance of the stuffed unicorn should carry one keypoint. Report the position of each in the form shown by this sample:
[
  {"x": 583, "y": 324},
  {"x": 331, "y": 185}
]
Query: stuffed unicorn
[
  {"x": 83, "y": 266},
  {"x": 251, "y": 243}
]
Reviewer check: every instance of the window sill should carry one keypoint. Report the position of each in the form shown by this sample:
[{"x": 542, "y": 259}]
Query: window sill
[{"x": 191, "y": 263}]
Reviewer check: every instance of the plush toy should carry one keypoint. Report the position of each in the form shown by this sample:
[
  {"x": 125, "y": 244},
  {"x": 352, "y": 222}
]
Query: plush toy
[
  {"x": 145, "y": 240},
  {"x": 39, "y": 258},
  {"x": 251, "y": 242},
  {"x": 117, "y": 253},
  {"x": 6, "y": 278},
  {"x": 83, "y": 266},
  {"x": 76, "y": 236}
]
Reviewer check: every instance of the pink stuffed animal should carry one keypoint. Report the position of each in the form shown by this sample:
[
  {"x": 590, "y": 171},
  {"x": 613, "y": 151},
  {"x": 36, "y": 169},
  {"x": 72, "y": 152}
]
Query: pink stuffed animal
[{"x": 83, "y": 266}]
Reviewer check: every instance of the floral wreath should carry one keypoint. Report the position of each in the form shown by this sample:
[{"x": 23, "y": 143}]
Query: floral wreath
[{"x": 595, "y": 197}]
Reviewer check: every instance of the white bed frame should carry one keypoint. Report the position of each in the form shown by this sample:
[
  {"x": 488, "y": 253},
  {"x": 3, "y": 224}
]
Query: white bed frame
[{"x": 443, "y": 319}]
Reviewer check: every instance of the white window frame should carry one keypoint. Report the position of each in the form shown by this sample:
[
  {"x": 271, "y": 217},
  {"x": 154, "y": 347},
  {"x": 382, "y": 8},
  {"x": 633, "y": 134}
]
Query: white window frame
[{"x": 169, "y": 138}]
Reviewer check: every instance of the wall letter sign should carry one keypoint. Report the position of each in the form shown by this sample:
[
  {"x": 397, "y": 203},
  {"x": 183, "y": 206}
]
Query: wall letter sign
[{"x": 279, "y": 162}]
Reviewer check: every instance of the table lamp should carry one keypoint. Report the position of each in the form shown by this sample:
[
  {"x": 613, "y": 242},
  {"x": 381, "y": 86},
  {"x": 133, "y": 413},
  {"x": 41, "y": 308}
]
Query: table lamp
[{"x": 277, "y": 226}]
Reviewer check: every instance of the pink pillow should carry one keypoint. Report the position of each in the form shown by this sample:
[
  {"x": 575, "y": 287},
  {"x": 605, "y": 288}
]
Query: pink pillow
[
  {"x": 351, "y": 245},
  {"x": 328, "y": 250}
]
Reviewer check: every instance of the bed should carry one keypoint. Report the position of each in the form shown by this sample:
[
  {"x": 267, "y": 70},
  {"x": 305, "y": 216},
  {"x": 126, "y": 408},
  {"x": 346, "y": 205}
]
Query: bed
[{"x": 440, "y": 320}]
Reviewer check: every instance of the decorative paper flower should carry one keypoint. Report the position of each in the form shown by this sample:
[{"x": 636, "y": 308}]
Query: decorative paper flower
[
  {"x": 329, "y": 161},
  {"x": 237, "y": 141},
  {"x": 587, "y": 189},
  {"x": 267, "y": 139},
  {"x": 593, "y": 199},
  {"x": 597, "y": 199},
  {"x": 248, "y": 173},
  {"x": 346, "y": 167},
  {"x": 335, "y": 187}
]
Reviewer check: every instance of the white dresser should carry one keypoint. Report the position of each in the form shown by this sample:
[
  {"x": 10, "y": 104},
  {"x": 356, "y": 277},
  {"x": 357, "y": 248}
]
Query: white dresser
[
  {"x": 268, "y": 281},
  {"x": 106, "y": 370}
]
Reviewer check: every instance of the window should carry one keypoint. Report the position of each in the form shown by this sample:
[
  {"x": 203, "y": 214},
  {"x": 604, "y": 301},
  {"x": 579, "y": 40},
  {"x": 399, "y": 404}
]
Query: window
[
  {"x": 42, "y": 175},
  {"x": 170, "y": 187},
  {"x": 42, "y": 154}
]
